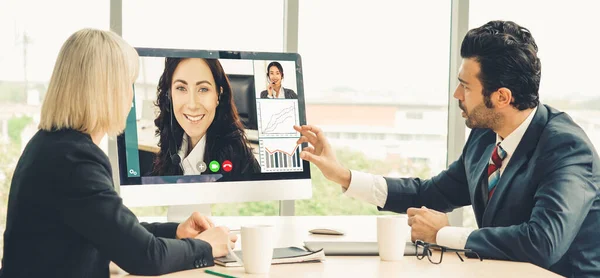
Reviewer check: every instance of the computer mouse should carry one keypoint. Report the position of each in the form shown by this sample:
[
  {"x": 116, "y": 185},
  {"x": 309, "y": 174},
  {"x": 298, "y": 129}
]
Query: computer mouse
[{"x": 327, "y": 231}]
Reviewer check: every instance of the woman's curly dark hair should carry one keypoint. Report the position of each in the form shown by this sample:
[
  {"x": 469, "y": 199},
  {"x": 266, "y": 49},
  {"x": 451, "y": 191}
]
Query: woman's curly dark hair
[{"x": 225, "y": 137}]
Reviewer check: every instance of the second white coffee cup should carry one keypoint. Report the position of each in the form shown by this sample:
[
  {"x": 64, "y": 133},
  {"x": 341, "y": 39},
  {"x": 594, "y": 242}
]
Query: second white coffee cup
[
  {"x": 392, "y": 232},
  {"x": 257, "y": 248}
]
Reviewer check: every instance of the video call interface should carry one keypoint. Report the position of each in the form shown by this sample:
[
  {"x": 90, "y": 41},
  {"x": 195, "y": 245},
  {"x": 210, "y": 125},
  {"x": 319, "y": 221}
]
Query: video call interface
[{"x": 174, "y": 130}]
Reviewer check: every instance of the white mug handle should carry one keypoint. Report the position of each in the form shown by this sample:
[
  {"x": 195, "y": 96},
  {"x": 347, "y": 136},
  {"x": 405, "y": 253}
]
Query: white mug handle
[{"x": 230, "y": 248}]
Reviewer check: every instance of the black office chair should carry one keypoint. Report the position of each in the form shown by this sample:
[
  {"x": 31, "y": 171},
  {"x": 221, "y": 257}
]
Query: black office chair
[
  {"x": 146, "y": 162},
  {"x": 244, "y": 97}
]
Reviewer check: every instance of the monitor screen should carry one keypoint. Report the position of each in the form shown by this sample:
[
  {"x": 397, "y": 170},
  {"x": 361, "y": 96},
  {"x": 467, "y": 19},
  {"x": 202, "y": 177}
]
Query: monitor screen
[{"x": 213, "y": 116}]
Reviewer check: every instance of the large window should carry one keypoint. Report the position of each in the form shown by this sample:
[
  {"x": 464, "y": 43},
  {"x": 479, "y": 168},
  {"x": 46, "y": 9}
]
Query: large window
[
  {"x": 376, "y": 81},
  {"x": 218, "y": 25},
  {"x": 210, "y": 25},
  {"x": 566, "y": 35},
  {"x": 375, "y": 74},
  {"x": 30, "y": 39}
]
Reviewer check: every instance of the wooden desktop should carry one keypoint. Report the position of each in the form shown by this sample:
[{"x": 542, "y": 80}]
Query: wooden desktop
[{"x": 293, "y": 231}]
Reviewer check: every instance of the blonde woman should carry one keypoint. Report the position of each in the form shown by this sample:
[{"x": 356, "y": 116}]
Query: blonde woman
[{"x": 64, "y": 218}]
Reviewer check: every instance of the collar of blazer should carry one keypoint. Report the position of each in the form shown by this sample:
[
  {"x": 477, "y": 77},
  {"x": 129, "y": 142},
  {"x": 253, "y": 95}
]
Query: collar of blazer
[{"x": 521, "y": 155}]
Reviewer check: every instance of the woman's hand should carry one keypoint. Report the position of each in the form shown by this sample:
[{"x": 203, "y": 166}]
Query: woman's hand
[
  {"x": 270, "y": 89},
  {"x": 193, "y": 226},
  {"x": 219, "y": 239}
]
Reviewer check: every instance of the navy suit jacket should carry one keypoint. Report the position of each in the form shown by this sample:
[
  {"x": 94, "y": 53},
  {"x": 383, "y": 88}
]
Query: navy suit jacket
[{"x": 546, "y": 207}]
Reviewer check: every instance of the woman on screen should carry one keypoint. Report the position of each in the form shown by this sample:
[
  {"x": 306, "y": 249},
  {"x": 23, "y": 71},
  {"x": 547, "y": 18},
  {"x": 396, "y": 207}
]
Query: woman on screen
[
  {"x": 198, "y": 121},
  {"x": 63, "y": 211},
  {"x": 274, "y": 88}
]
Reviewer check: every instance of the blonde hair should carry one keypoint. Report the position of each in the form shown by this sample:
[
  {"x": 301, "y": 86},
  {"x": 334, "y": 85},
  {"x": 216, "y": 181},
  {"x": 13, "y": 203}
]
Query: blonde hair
[{"x": 92, "y": 84}]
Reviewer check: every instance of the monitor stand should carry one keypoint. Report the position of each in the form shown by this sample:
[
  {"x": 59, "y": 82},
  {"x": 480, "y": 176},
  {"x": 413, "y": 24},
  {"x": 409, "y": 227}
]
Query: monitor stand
[{"x": 181, "y": 213}]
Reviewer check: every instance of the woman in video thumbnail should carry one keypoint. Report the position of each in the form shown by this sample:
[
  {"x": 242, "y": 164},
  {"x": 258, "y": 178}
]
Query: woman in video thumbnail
[
  {"x": 204, "y": 125},
  {"x": 274, "y": 88}
]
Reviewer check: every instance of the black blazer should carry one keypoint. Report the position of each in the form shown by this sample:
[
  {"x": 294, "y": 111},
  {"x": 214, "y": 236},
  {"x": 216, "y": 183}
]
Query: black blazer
[
  {"x": 546, "y": 207},
  {"x": 288, "y": 93},
  {"x": 66, "y": 220}
]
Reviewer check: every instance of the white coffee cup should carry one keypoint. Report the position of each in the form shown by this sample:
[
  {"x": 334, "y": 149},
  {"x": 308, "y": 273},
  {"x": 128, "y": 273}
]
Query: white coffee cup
[
  {"x": 392, "y": 232},
  {"x": 257, "y": 248}
]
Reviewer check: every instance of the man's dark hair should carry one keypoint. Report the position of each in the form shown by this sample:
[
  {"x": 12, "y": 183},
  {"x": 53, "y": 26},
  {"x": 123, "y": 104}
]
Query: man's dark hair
[{"x": 507, "y": 54}]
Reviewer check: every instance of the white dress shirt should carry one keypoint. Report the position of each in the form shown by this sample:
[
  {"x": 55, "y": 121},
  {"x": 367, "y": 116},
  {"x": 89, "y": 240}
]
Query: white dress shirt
[
  {"x": 281, "y": 93},
  {"x": 189, "y": 162},
  {"x": 373, "y": 189}
]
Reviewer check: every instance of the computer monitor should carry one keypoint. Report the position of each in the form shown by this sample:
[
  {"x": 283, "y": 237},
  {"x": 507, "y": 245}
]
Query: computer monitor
[{"x": 218, "y": 130}]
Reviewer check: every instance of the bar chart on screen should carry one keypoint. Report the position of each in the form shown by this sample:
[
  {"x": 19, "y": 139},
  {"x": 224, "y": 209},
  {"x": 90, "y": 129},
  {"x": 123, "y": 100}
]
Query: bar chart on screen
[
  {"x": 276, "y": 118},
  {"x": 280, "y": 155}
]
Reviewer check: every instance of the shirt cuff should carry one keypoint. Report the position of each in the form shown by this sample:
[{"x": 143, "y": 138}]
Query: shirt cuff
[
  {"x": 453, "y": 237},
  {"x": 368, "y": 188}
]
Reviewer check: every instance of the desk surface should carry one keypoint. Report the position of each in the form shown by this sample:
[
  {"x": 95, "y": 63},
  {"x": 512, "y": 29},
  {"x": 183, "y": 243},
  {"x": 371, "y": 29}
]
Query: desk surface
[{"x": 293, "y": 231}]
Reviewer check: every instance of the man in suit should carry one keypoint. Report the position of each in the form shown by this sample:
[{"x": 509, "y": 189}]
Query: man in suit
[{"x": 530, "y": 173}]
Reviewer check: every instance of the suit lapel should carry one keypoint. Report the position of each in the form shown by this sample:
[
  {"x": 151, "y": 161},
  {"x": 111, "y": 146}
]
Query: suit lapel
[
  {"x": 482, "y": 164},
  {"x": 518, "y": 159},
  {"x": 477, "y": 179}
]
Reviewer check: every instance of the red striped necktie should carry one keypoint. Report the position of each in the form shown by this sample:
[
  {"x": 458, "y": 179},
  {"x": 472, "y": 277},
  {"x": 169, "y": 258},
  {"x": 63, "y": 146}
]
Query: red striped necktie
[{"x": 494, "y": 169}]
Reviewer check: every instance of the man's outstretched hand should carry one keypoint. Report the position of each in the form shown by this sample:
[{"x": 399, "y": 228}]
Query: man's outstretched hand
[{"x": 321, "y": 155}]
